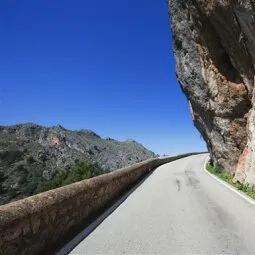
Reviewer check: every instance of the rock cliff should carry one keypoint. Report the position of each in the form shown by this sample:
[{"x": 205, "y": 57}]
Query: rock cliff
[
  {"x": 31, "y": 153},
  {"x": 214, "y": 46}
]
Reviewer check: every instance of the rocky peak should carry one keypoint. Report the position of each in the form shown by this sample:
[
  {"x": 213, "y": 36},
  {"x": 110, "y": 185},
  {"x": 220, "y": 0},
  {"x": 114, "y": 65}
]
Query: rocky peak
[
  {"x": 89, "y": 132},
  {"x": 31, "y": 153}
]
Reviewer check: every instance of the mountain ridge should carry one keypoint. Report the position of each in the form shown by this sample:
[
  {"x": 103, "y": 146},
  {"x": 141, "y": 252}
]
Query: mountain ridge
[{"x": 31, "y": 153}]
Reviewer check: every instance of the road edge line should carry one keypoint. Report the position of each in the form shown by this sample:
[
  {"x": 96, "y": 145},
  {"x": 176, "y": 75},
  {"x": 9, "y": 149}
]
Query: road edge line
[{"x": 239, "y": 193}]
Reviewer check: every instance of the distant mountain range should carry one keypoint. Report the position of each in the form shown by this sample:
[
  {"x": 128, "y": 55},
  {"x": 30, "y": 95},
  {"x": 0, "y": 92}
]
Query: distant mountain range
[{"x": 30, "y": 153}]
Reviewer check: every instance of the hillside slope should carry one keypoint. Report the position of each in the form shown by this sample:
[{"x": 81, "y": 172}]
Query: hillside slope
[
  {"x": 31, "y": 153},
  {"x": 214, "y": 44}
]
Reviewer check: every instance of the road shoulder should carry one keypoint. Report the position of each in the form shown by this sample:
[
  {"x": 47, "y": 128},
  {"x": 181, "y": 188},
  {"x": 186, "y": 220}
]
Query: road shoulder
[{"x": 228, "y": 186}]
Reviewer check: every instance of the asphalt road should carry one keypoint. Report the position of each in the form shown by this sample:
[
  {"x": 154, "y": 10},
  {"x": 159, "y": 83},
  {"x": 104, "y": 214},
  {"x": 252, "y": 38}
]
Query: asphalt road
[{"x": 179, "y": 209}]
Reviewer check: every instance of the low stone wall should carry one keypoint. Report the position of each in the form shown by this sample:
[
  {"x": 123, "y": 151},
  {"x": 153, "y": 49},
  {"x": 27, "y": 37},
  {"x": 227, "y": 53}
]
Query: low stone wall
[{"x": 36, "y": 224}]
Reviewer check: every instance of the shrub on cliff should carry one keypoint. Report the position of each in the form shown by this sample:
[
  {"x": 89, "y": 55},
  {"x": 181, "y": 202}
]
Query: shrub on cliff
[
  {"x": 2, "y": 178},
  {"x": 81, "y": 171},
  {"x": 9, "y": 157}
]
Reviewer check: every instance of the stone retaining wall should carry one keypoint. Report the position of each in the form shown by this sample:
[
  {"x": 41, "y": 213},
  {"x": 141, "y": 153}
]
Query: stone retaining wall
[{"x": 38, "y": 223}]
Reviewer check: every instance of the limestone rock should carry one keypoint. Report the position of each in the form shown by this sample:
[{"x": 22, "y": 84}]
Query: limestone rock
[{"x": 214, "y": 46}]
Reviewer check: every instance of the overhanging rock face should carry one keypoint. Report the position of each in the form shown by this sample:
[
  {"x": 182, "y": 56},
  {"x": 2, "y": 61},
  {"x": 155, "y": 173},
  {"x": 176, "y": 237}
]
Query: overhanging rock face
[{"x": 214, "y": 46}]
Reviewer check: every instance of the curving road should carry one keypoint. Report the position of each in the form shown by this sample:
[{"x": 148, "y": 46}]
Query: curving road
[{"x": 178, "y": 209}]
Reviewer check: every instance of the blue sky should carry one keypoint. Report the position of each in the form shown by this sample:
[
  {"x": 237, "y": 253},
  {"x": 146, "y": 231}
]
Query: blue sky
[{"x": 101, "y": 65}]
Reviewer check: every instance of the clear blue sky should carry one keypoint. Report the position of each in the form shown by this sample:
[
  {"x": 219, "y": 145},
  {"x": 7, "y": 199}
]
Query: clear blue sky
[{"x": 101, "y": 65}]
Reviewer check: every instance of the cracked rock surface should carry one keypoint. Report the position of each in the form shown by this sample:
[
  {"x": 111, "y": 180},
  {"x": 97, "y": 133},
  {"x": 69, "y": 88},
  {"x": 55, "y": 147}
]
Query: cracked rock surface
[{"x": 214, "y": 46}]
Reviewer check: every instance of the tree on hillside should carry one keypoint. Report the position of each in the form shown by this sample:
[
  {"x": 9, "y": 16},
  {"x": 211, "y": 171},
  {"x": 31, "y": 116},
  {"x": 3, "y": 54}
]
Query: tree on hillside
[
  {"x": 2, "y": 178},
  {"x": 80, "y": 171}
]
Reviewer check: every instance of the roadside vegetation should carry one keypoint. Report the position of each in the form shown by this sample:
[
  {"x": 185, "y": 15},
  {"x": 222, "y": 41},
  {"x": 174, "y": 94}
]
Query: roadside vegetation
[
  {"x": 227, "y": 177},
  {"x": 81, "y": 171}
]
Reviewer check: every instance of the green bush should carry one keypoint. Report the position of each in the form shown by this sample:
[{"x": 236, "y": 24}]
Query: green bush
[
  {"x": 9, "y": 157},
  {"x": 81, "y": 171},
  {"x": 2, "y": 178},
  {"x": 214, "y": 170},
  {"x": 217, "y": 170},
  {"x": 30, "y": 160},
  {"x": 243, "y": 187},
  {"x": 228, "y": 177}
]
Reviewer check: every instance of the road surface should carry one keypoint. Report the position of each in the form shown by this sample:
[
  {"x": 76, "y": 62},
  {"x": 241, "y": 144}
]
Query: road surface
[{"x": 178, "y": 209}]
